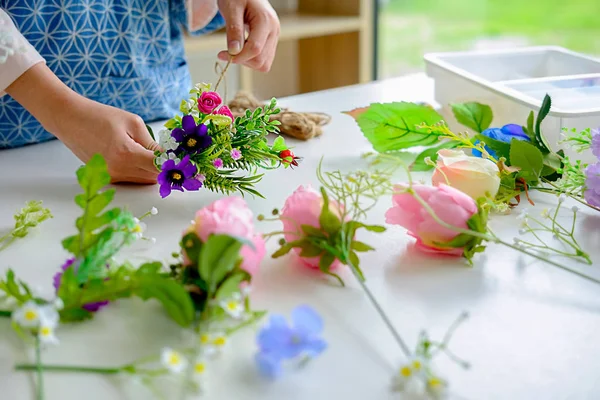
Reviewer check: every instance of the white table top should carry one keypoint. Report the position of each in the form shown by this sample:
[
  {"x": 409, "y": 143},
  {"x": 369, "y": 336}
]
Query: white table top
[{"x": 532, "y": 332}]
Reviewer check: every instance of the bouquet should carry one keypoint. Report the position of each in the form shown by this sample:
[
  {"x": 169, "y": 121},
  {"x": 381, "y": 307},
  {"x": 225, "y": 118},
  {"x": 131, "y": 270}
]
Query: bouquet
[{"x": 207, "y": 147}]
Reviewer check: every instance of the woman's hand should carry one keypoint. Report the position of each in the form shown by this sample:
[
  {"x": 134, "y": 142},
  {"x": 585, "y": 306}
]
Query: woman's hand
[
  {"x": 258, "y": 51},
  {"x": 87, "y": 127}
]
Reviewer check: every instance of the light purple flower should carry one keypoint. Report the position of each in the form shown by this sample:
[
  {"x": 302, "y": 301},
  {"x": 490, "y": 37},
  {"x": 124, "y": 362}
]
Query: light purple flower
[
  {"x": 596, "y": 142},
  {"x": 592, "y": 184},
  {"x": 236, "y": 154},
  {"x": 91, "y": 307},
  {"x": 218, "y": 163}
]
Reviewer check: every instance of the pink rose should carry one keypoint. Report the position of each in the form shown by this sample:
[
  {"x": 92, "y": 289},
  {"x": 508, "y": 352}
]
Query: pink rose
[
  {"x": 231, "y": 216},
  {"x": 224, "y": 110},
  {"x": 303, "y": 207},
  {"x": 208, "y": 101},
  {"x": 475, "y": 176},
  {"x": 450, "y": 205}
]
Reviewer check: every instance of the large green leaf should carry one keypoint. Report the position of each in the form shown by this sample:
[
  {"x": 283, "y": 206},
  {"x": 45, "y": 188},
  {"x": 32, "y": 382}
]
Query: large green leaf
[
  {"x": 218, "y": 257},
  {"x": 473, "y": 115},
  {"x": 540, "y": 141},
  {"x": 528, "y": 158},
  {"x": 393, "y": 126}
]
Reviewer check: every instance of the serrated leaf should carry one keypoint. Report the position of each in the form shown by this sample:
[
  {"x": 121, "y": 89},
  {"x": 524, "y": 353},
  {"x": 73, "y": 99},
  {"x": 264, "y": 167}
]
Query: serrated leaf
[
  {"x": 393, "y": 126},
  {"x": 93, "y": 176},
  {"x": 419, "y": 165},
  {"x": 473, "y": 115},
  {"x": 528, "y": 158}
]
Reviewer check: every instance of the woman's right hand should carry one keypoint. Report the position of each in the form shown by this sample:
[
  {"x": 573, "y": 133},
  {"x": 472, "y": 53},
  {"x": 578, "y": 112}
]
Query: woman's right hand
[{"x": 87, "y": 127}]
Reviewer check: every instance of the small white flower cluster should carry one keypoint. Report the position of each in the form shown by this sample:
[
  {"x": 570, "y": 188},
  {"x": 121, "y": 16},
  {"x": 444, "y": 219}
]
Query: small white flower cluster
[
  {"x": 416, "y": 379},
  {"x": 140, "y": 227},
  {"x": 40, "y": 320}
]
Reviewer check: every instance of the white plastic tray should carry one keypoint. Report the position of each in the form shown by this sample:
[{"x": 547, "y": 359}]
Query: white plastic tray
[{"x": 514, "y": 82}]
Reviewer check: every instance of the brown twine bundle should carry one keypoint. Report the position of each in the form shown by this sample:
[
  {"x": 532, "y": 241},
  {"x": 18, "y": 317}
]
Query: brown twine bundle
[{"x": 299, "y": 125}]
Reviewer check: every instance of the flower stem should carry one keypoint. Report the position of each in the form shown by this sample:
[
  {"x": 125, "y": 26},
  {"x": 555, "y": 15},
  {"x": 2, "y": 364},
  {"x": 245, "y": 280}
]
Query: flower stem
[
  {"x": 39, "y": 370},
  {"x": 67, "y": 368},
  {"x": 382, "y": 314},
  {"x": 5, "y": 313}
]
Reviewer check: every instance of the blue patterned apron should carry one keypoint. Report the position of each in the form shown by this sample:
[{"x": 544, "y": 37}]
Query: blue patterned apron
[{"x": 125, "y": 53}]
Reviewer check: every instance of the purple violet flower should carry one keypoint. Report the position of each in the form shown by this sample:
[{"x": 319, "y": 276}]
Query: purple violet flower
[
  {"x": 192, "y": 138},
  {"x": 279, "y": 341},
  {"x": 596, "y": 142},
  {"x": 91, "y": 307},
  {"x": 236, "y": 154},
  {"x": 218, "y": 163},
  {"x": 592, "y": 184},
  {"x": 178, "y": 176}
]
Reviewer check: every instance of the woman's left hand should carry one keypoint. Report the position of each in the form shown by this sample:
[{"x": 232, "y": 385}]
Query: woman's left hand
[{"x": 258, "y": 51}]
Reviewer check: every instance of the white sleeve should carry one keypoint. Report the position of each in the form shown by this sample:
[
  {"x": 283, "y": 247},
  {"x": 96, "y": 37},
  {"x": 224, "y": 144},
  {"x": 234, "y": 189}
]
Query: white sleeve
[
  {"x": 17, "y": 55},
  {"x": 200, "y": 13}
]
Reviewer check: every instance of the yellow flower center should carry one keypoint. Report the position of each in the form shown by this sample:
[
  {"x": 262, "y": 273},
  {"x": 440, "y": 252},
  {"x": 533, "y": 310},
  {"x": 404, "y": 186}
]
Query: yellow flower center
[
  {"x": 30, "y": 315},
  {"x": 220, "y": 341},
  {"x": 199, "y": 368},
  {"x": 137, "y": 229},
  {"x": 435, "y": 382},
  {"x": 416, "y": 364},
  {"x": 191, "y": 142},
  {"x": 176, "y": 176},
  {"x": 232, "y": 305},
  {"x": 45, "y": 331},
  {"x": 174, "y": 359},
  {"x": 204, "y": 338},
  {"x": 405, "y": 372}
]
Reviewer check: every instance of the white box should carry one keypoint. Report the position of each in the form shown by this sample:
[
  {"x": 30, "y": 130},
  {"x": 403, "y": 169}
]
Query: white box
[{"x": 514, "y": 82}]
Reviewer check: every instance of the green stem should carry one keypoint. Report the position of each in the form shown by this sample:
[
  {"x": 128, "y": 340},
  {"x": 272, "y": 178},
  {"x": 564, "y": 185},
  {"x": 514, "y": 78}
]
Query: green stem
[
  {"x": 255, "y": 317},
  {"x": 577, "y": 198},
  {"x": 39, "y": 370},
  {"x": 67, "y": 368},
  {"x": 5, "y": 313}
]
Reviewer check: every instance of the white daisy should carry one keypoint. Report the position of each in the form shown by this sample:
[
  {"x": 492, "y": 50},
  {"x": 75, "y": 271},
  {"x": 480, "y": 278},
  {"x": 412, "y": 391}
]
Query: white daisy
[
  {"x": 233, "y": 306},
  {"x": 437, "y": 387},
  {"x": 28, "y": 315},
  {"x": 173, "y": 360},
  {"x": 46, "y": 334},
  {"x": 139, "y": 228}
]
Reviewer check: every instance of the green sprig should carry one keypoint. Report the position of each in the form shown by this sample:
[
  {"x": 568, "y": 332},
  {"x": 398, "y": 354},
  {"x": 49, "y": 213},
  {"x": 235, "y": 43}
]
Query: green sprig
[{"x": 26, "y": 219}]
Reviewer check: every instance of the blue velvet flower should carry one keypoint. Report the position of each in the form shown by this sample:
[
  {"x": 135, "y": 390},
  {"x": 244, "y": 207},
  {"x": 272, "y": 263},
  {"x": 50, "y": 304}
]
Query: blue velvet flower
[
  {"x": 504, "y": 134},
  {"x": 279, "y": 341}
]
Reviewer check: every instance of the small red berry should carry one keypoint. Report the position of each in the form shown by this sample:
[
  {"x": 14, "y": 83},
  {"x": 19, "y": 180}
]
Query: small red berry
[{"x": 286, "y": 153}]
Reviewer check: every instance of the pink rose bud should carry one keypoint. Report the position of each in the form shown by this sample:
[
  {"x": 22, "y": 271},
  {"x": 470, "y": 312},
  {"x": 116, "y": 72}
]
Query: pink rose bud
[
  {"x": 231, "y": 216},
  {"x": 475, "y": 176},
  {"x": 224, "y": 110},
  {"x": 303, "y": 207},
  {"x": 450, "y": 205},
  {"x": 208, "y": 101}
]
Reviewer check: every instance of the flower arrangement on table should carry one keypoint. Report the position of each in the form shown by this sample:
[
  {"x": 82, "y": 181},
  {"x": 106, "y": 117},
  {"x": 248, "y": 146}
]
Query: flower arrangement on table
[{"x": 207, "y": 147}]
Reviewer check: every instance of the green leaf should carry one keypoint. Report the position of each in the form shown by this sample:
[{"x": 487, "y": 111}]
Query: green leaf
[
  {"x": 530, "y": 128},
  {"x": 191, "y": 245},
  {"x": 231, "y": 285},
  {"x": 218, "y": 257},
  {"x": 279, "y": 144},
  {"x": 419, "y": 164},
  {"x": 151, "y": 132},
  {"x": 173, "y": 297},
  {"x": 326, "y": 261},
  {"x": 310, "y": 230},
  {"x": 328, "y": 220},
  {"x": 282, "y": 251},
  {"x": 473, "y": 115},
  {"x": 371, "y": 228},
  {"x": 93, "y": 176},
  {"x": 552, "y": 163},
  {"x": 502, "y": 149},
  {"x": 528, "y": 158},
  {"x": 310, "y": 250},
  {"x": 14, "y": 289},
  {"x": 360, "y": 246},
  {"x": 542, "y": 114},
  {"x": 355, "y": 262},
  {"x": 393, "y": 126}
]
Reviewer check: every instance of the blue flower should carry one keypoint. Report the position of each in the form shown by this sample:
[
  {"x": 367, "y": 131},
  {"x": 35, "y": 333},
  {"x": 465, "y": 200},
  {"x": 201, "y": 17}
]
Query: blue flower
[
  {"x": 279, "y": 341},
  {"x": 504, "y": 134}
]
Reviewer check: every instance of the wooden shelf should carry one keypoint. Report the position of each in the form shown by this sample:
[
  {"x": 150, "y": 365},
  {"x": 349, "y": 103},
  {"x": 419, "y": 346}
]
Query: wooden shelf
[{"x": 293, "y": 27}]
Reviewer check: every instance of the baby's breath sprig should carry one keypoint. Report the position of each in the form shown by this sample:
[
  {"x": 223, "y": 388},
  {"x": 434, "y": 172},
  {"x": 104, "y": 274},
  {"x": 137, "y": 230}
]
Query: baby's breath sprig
[
  {"x": 538, "y": 228},
  {"x": 27, "y": 218},
  {"x": 577, "y": 140}
]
